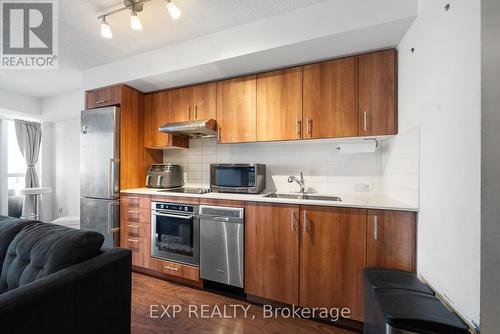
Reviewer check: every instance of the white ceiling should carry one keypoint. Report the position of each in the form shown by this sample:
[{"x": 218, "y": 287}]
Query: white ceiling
[{"x": 81, "y": 46}]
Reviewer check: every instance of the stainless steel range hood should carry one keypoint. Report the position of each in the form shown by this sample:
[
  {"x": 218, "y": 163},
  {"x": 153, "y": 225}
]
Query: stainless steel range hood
[{"x": 192, "y": 129}]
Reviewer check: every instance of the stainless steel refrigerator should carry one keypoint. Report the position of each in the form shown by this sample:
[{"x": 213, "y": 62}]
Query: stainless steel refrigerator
[{"x": 100, "y": 173}]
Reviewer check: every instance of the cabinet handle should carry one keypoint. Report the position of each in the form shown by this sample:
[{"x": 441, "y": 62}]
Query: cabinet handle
[
  {"x": 135, "y": 241},
  {"x": 365, "y": 117},
  {"x": 219, "y": 134},
  {"x": 299, "y": 126},
  {"x": 100, "y": 101},
  {"x": 305, "y": 221},
  {"x": 309, "y": 126},
  {"x": 196, "y": 113},
  {"x": 375, "y": 228},
  {"x": 171, "y": 268},
  {"x": 134, "y": 226},
  {"x": 134, "y": 212},
  {"x": 189, "y": 112},
  {"x": 292, "y": 220}
]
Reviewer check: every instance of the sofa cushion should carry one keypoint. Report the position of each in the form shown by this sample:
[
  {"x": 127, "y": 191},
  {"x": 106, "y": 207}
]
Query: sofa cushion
[
  {"x": 9, "y": 228},
  {"x": 42, "y": 249}
]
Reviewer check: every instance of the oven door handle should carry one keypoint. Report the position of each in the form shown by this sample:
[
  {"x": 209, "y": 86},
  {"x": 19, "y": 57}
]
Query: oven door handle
[{"x": 173, "y": 216}]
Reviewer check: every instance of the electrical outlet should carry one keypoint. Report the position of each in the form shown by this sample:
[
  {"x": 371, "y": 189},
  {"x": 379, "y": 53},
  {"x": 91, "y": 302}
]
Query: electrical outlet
[{"x": 363, "y": 187}]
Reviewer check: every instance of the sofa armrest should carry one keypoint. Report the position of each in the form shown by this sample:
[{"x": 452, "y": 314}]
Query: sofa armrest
[{"x": 93, "y": 296}]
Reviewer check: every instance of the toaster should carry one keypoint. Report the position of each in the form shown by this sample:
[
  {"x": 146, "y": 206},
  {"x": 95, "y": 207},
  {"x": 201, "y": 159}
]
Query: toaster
[{"x": 164, "y": 176}]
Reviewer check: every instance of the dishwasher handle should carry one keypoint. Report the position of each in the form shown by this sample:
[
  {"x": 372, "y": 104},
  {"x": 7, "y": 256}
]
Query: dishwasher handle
[{"x": 220, "y": 219}]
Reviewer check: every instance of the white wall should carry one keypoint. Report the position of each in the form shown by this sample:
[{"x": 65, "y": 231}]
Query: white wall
[
  {"x": 18, "y": 104},
  {"x": 65, "y": 106},
  {"x": 401, "y": 159},
  {"x": 67, "y": 168},
  {"x": 490, "y": 178},
  {"x": 64, "y": 110},
  {"x": 439, "y": 90},
  {"x": 325, "y": 170}
]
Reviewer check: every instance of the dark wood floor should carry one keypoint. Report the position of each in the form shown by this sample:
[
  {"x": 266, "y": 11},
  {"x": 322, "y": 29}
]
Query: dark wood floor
[{"x": 147, "y": 291}]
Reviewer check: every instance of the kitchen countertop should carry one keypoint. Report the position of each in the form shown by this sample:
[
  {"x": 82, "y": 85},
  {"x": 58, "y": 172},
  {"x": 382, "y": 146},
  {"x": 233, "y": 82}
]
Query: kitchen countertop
[{"x": 366, "y": 201}]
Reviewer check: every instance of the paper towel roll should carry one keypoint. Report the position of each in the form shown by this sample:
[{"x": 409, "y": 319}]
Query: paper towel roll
[{"x": 366, "y": 146}]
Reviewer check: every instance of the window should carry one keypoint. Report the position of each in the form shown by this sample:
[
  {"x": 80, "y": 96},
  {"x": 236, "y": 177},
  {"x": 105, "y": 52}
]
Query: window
[{"x": 16, "y": 169}]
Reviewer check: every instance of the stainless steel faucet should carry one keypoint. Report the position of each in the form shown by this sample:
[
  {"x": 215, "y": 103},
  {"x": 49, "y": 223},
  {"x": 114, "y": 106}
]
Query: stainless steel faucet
[{"x": 300, "y": 182}]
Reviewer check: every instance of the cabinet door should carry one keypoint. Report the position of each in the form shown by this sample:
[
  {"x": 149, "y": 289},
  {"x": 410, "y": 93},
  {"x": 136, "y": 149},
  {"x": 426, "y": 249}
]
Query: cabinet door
[
  {"x": 103, "y": 97},
  {"x": 157, "y": 108},
  {"x": 236, "y": 109},
  {"x": 332, "y": 258},
  {"x": 331, "y": 99},
  {"x": 205, "y": 101},
  {"x": 377, "y": 93},
  {"x": 391, "y": 240},
  {"x": 279, "y": 105},
  {"x": 272, "y": 251},
  {"x": 182, "y": 105}
]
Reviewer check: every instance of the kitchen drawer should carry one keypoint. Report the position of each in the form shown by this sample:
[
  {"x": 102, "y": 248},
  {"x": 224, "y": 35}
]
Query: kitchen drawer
[
  {"x": 132, "y": 214},
  {"x": 135, "y": 230},
  {"x": 176, "y": 269},
  {"x": 138, "y": 202},
  {"x": 138, "y": 242}
]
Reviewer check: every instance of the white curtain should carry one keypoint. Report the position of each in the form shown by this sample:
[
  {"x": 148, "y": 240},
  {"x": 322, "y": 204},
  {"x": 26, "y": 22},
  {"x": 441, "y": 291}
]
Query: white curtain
[
  {"x": 3, "y": 169},
  {"x": 29, "y": 138}
]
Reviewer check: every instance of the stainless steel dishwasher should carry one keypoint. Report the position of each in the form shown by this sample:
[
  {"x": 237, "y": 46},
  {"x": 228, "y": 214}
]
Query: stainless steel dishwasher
[{"x": 222, "y": 244}]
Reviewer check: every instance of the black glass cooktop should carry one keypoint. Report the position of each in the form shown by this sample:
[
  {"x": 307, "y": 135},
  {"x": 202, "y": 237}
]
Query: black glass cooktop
[{"x": 187, "y": 190}]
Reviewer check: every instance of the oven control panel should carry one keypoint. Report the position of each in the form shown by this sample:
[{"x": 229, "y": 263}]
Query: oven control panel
[{"x": 173, "y": 207}]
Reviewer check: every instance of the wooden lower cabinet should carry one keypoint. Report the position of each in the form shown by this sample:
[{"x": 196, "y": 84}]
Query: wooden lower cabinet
[
  {"x": 137, "y": 238},
  {"x": 272, "y": 251},
  {"x": 135, "y": 228},
  {"x": 175, "y": 269},
  {"x": 391, "y": 240},
  {"x": 332, "y": 258}
]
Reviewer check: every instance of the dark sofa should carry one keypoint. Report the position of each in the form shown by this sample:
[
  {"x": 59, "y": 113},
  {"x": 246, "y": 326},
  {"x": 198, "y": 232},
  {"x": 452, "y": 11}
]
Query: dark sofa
[{"x": 55, "y": 279}]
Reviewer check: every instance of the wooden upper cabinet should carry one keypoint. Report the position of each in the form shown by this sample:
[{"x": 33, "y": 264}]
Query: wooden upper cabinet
[
  {"x": 377, "y": 93},
  {"x": 279, "y": 105},
  {"x": 182, "y": 109},
  {"x": 331, "y": 99},
  {"x": 158, "y": 112},
  {"x": 391, "y": 238},
  {"x": 332, "y": 258},
  {"x": 205, "y": 101},
  {"x": 272, "y": 251},
  {"x": 236, "y": 109},
  {"x": 103, "y": 97}
]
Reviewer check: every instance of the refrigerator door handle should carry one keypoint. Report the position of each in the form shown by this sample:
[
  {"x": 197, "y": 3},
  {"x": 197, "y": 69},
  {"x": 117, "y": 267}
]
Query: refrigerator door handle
[
  {"x": 111, "y": 218},
  {"x": 112, "y": 191}
]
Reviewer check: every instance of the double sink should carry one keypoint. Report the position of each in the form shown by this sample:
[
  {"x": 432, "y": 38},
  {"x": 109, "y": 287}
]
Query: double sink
[{"x": 305, "y": 197}]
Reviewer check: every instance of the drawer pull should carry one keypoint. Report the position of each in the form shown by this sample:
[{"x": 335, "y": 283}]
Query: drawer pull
[
  {"x": 135, "y": 241},
  {"x": 134, "y": 226},
  {"x": 100, "y": 101},
  {"x": 171, "y": 268},
  {"x": 134, "y": 212}
]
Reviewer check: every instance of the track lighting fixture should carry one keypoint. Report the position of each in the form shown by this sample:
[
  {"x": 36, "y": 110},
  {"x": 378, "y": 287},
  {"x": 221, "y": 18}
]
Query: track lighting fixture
[
  {"x": 173, "y": 10},
  {"x": 135, "y": 21},
  {"x": 135, "y": 6},
  {"x": 106, "y": 29}
]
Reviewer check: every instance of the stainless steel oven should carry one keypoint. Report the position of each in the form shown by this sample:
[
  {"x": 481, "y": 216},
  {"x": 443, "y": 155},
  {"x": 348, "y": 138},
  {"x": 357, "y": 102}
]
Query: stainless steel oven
[
  {"x": 238, "y": 178},
  {"x": 175, "y": 232}
]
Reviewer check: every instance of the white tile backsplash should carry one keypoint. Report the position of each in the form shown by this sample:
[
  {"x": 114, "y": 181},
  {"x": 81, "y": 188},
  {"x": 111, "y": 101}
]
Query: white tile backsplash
[
  {"x": 401, "y": 159},
  {"x": 325, "y": 170}
]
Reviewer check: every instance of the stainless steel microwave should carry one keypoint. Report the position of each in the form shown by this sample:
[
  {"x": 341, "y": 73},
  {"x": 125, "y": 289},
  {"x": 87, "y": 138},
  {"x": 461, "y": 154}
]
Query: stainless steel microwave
[{"x": 238, "y": 178}]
